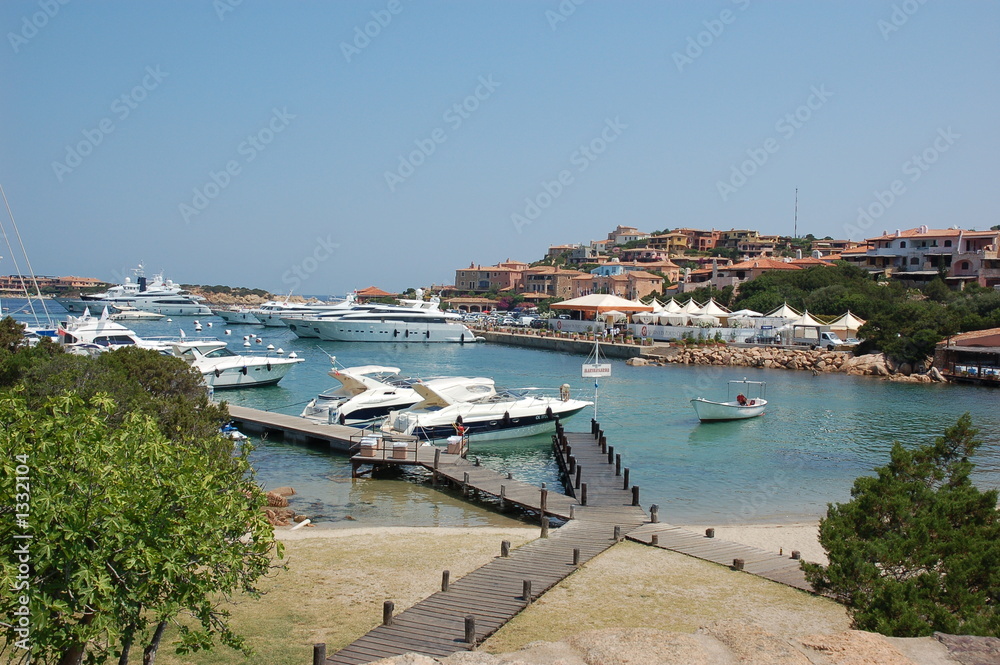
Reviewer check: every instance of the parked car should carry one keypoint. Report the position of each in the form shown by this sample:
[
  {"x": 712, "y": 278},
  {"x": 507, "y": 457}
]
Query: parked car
[{"x": 538, "y": 323}]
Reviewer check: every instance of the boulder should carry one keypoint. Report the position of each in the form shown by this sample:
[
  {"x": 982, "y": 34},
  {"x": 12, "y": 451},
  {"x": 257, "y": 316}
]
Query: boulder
[
  {"x": 935, "y": 375},
  {"x": 905, "y": 369}
]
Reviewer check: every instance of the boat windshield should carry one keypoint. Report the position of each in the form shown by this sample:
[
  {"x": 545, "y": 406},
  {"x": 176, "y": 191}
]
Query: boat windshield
[{"x": 221, "y": 352}]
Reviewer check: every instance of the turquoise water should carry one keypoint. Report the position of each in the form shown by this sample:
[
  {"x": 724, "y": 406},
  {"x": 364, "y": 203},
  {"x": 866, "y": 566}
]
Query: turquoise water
[{"x": 818, "y": 435}]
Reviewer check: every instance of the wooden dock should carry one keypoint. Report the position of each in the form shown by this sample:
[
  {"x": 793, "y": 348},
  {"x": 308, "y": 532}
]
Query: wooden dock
[
  {"x": 775, "y": 567},
  {"x": 602, "y": 508},
  {"x": 340, "y": 438},
  {"x": 468, "y": 610}
]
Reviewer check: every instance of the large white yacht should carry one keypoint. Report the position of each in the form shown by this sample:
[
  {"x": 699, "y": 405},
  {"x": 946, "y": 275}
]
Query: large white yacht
[
  {"x": 277, "y": 313},
  {"x": 492, "y": 415},
  {"x": 413, "y": 321},
  {"x": 158, "y": 296},
  {"x": 222, "y": 368},
  {"x": 370, "y": 392}
]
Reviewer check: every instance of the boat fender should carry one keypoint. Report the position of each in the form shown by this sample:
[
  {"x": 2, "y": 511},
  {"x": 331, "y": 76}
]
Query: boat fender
[
  {"x": 459, "y": 420},
  {"x": 506, "y": 417},
  {"x": 548, "y": 412},
  {"x": 342, "y": 419},
  {"x": 218, "y": 373},
  {"x": 243, "y": 371},
  {"x": 268, "y": 365},
  {"x": 395, "y": 333}
]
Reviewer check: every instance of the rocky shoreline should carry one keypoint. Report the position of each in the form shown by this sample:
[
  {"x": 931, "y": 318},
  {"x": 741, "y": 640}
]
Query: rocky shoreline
[{"x": 874, "y": 364}]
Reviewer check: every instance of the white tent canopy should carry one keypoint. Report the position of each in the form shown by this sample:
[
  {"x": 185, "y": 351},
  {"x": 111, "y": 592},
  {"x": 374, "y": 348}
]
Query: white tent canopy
[
  {"x": 602, "y": 302},
  {"x": 744, "y": 314},
  {"x": 713, "y": 308},
  {"x": 613, "y": 315},
  {"x": 848, "y": 322},
  {"x": 656, "y": 305},
  {"x": 808, "y": 320},
  {"x": 646, "y": 317},
  {"x": 691, "y": 307},
  {"x": 784, "y": 312},
  {"x": 672, "y": 307}
]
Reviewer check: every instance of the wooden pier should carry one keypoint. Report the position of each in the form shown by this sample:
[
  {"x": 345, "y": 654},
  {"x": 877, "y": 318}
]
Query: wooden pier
[
  {"x": 468, "y": 610},
  {"x": 602, "y": 508}
]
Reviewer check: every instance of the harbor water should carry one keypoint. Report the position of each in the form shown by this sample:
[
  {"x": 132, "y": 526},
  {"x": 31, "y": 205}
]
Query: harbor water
[{"x": 819, "y": 432}]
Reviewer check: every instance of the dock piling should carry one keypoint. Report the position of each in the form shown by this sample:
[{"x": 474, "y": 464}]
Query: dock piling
[
  {"x": 576, "y": 556},
  {"x": 618, "y": 464},
  {"x": 583, "y": 493},
  {"x": 319, "y": 653},
  {"x": 526, "y": 591},
  {"x": 625, "y": 479},
  {"x": 635, "y": 495},
  {"x": 445, "y": 579},
  {"x": 470, "y": 629},
  {"x": 387, "y": 609},
  {"x": 505, "y": 548},
  {"x": 654, "y": 513},
  {"x": 611, "y": 454}
]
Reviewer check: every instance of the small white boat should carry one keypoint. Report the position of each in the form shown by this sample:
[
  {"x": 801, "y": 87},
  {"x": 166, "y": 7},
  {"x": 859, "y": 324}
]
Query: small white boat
[
  {"x": 748, "y": 403},
  {"x": 222, "y": 368}
]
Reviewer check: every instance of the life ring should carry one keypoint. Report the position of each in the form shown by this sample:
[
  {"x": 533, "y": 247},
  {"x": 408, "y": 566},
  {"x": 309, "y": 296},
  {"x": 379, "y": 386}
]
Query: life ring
[
  {"x": 644, "y": 331},
  {"x": 559, "y": 324}
]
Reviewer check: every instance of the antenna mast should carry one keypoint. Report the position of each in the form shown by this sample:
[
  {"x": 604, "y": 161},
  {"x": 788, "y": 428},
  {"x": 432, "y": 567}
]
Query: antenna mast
[{"x": 795, "y": 219}]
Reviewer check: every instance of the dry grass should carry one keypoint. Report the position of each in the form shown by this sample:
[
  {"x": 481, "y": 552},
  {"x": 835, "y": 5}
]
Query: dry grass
[
  {"x": 338, "y": 579},
  {"x": 634, "y": 585},
  {"x": 336, "y": 583}
]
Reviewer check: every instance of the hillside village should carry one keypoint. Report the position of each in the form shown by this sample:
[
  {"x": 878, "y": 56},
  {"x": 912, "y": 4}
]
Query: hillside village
[{"x": 636, "y": 264}]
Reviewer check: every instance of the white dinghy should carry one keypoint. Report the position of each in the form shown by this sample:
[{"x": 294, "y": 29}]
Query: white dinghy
[{"x": 748, "y": 403}]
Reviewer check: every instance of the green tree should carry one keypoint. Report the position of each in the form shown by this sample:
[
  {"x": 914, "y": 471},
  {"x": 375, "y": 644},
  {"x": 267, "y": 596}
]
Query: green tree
[
  {"x": 130, "y": 532},
  {"x": 917, "y": 549}
]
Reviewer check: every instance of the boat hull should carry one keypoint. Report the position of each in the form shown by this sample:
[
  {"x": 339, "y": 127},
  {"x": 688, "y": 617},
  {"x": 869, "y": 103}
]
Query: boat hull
[
  {"x": 713, "y": 411},
  {"x": 237, "y": 317},
  {"x": 302, "y": 328},
  {"x": 371, "y": 331},
  {"x": 496, "y": 426},
  {"x": 256, "y": 375}
]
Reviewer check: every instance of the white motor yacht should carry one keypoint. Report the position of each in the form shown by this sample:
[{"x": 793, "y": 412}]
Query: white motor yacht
[
  {"x": 158, "y": 296},
  {"x": 414, "y": 321},
  {"x": 222, "y": 368},
  {"x": 88, "y": 334},
  {"x": 237, "y": 315},
  {"x": 370, "y": 392},
  {"x": 491, "y": 416}
]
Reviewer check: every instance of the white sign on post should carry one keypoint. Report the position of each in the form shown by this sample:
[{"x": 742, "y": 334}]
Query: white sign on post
[{"x": 594, "y": 370}]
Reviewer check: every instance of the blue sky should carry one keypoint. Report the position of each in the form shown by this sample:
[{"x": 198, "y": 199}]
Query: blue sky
[{"x": 277, "y": 145}]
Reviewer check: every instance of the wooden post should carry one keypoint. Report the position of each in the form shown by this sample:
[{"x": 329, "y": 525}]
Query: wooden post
[
  {"x": 576, "y": 556},
  {"x": 569, "y": 451},
  {"x": 526, "y": 591},
  {"x": 319, "y": 654},
  {"x": 654, "y": 539},
  {"x": 654, "y": 513},
  {"x": 796, "y": 555},
  {"x": 738, "y": 564},
  {"x": 477, "y": 461},
  {"x": 387, "y": 608},
  {"x": 437, "y": 461},
  {"x": 604, "y": 444},
  {"x": 611, "y": 454},
  {"x": 503, "y": 497},
  {"x": 635, "y": 495},
  {"x": 543, "y": 501},
  {"x": 465, "y": 484},
  {"x": 572, "y": 465},
  {"x": 583, "y": 493},
  {"x": 572, "y": 511},
  {"x": 505, "y": 548},
  {"x": 510, "y": 476},
  {"x": 618, "y": 464},
  {"x": 445, "y": 579},
  {"x": 593, "y": 426},
  {"x": 625, "y": 480},
  {"x": 618, "y": 533},
  {"x": 579, "y": 472},
  {"x": 470, "y": 629},
  {"x": 710, "y": 533}
]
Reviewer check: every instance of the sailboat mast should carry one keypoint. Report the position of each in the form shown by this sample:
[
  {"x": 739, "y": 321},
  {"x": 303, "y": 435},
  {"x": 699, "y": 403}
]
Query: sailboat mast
[{"x": 31, "y": 271}]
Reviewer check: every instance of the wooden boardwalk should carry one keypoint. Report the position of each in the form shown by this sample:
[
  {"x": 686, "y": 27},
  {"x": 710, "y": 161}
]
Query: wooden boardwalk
[
  {"x": 493, "y": 594},
  {"x": 341, "y": 438},
  {"x": 771, "y": 566}
]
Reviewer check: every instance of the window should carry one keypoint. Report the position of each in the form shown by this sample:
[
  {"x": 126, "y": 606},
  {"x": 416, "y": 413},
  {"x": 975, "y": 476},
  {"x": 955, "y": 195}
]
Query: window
[
  {"x": 947, "y": 243},
  {"x": 902, "y": 244},
  {"x": 964, "y": 265},
  {"x": 914, "y": 261}
]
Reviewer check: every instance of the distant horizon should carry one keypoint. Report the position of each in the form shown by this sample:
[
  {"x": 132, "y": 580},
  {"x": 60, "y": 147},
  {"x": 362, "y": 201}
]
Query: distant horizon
[{"x": 331, "y": 146}]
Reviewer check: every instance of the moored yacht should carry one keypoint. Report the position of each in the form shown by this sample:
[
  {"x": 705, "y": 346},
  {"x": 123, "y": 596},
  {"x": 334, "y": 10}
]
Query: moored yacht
[
  {"x": 370, "y": 392},
  {"x": 495, "y": 415},
  {"x": 413, "y": 321},
  {"x": 222, "y": 368},
  {"x": 158, "y": 296}
]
